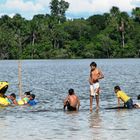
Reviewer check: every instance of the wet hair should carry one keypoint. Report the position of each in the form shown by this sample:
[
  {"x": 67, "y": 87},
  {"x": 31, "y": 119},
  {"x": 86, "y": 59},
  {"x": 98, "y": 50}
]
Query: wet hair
[
  {"x": 13, "y": 95},
  {"x": 27, "y": 93},
  {"x": 138, "y": 97},
  {"x": 33, "y": 96},
  {"x": 117, "y": 88},
  {"x": 71, "y": 91},
  {"x": 93, "y": 64}
]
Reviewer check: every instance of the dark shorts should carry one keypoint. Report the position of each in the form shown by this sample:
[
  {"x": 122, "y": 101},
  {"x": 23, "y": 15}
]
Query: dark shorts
[
  {"x": 129, "y": 104},
  {"x": 70, "y": 108}
]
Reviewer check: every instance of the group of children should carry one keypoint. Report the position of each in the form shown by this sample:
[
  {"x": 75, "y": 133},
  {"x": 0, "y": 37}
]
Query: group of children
[
  {"x": 5, "y": 100},
  {"x": 27, "y": 99},
  {"x": 72, "y": 101}
]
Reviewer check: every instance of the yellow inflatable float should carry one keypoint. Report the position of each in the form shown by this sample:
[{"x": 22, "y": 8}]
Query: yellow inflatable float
[{"x": 3, "y": 89}]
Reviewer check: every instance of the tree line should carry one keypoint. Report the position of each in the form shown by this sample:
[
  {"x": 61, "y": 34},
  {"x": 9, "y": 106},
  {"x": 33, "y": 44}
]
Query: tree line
[{"x": 115, "y": 34}]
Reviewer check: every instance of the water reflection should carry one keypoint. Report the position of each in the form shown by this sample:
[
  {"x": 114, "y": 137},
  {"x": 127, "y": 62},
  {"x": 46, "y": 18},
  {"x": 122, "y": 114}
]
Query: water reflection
[
  {"x": 95, "y": 120},
  {"x": 95, "y": 125}
]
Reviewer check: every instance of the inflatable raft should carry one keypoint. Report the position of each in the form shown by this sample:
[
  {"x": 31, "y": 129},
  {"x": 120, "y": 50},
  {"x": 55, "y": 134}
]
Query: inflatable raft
[{"x": 3, "y": 88}]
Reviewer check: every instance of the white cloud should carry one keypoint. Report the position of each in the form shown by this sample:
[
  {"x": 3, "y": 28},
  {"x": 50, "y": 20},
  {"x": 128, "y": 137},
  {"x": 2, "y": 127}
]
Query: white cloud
[
  {"x": 26, "y": 8},
  {"x": 77, "y": 8},
  {"x": 124, "y": 5},
  {"x": 19, "y": 5},
  {"x": 101, "y": 6}
]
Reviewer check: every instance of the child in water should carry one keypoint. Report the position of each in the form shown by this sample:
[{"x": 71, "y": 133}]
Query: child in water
[
  {"x": 128, "y": 102},
  {"x": 12, "y": 99},
  {"x": 72, "y": 101},
  {"x": 25, "y": 99},
  {"x": 32, "y": 100},
  {"x": 95, "y": 75}
]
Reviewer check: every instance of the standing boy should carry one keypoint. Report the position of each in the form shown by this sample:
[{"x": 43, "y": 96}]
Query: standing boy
[{"x": 95, "y": 75}]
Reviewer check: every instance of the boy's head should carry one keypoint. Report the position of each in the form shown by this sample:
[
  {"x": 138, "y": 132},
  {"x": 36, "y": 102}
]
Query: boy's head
[
  {"x": 71, "y": 91},
  {"x": 93, "y": 65},
  {"x": 27, "y": 93},
  {"x": 13, "y": 96},
  {"x": 32, "y": 97},
  {"x": 116, "y": 89},
  {"x": 138, "y": 97}
]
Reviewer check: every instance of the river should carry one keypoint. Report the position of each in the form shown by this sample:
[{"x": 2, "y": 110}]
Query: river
[{"x": 50, "y": 80}]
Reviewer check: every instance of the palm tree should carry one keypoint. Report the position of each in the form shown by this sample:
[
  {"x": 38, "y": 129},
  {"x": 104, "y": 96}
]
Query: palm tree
[
  {"x": 121, "y": 29},
  {"x": 136, "y": 14}
]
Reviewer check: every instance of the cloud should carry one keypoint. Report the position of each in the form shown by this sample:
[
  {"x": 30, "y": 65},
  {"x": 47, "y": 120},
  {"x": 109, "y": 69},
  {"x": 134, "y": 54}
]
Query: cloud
[
  {"x": 27, "y": 8},
  {"x": 77, "y": 8},
  {"x": 136, "y": 3},
  {"x": 20, "y": 5},
  {"x": 98, "y": 6}
]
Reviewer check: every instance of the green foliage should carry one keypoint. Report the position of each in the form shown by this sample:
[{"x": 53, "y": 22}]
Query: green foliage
[
  {"x": 136, "y": 14},
  {"x": 58, "y": 9},
  {"x": 111, "y": 35}
]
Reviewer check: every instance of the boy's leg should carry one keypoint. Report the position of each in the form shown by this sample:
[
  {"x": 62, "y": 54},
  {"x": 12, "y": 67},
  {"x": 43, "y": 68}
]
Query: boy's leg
[
  {"x": 129, "y": 104},
  {"x": 91, "y": 100},
  {"x": 92, "y": 94},
  {"x": 97, "y": 98}
]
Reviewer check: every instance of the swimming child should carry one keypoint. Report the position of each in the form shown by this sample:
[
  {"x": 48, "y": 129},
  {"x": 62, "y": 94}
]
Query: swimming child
[
  {"x": 24, "y": 100},
  {"x": 128, "y": 102},
  {"x": 12, "y": 98},
  {"x": 26, "y": 97},
  {"x": 32, "y": 100}
]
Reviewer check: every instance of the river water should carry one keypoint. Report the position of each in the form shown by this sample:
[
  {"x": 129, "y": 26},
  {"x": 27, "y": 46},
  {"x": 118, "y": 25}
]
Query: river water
[{"x": 50, "y": 80}]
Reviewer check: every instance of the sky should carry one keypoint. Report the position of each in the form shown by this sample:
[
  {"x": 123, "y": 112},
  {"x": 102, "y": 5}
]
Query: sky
[{"x": 77, "y": 8}]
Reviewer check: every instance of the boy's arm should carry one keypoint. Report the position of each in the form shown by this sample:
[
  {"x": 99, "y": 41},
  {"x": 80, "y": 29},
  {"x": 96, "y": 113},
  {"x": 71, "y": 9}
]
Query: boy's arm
[
  {"x": 118, "y": 102},
  {"x": 90, "y": 79},
  {"x": 100, "y": 75},
  {"x": 65, "y": 102},
  {"x": 66, "y": 99},
  {"x": 78, "y": 103},
  {"x": 15, "y": 102}
]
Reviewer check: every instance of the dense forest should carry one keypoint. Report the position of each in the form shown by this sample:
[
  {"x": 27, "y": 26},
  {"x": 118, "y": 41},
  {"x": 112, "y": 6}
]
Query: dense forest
[{"x": 111, "y": 35}]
